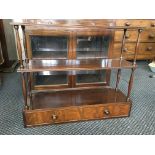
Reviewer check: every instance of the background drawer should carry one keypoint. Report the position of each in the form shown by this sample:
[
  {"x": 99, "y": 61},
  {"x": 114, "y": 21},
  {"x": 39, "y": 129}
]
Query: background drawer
[
  {"x": 147, "y": 36},
  {"x": 146, "y": 48},
  {"x": 128, "y": 49},
  {"x": 135, "y": 22},
  {"x": 131, "y": 36}
]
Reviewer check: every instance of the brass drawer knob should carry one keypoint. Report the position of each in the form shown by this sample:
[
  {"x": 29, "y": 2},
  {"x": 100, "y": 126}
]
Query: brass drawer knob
[
  {"x": 127, "y": 36},
  {"x": 152, "y": 24},
  {"x": 127, "y": 24},
  {"x": 54, "y": 117},
  {"x": 125, "y": 49},
  {"x": 149, "y": 48},
  {"x": 106, "y": 112},
  {"x": 151, "y": 36}
]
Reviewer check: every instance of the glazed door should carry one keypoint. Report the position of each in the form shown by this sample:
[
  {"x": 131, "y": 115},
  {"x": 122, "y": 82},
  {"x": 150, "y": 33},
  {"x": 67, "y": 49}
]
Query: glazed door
[
  {"x": 92, "y": 45},
  {"x": 49, "y": 44}
]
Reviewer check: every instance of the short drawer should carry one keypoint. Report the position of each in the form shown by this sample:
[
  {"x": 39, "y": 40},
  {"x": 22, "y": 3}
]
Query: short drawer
[
  {"x": 114, "y": 110},
  {"x": 147, "y": 36},
  {"x": 128, "y": 49},
  {"x": 131, "y": 36},
  {"x": 146, "y": 48},
  {"x": 135, "y": 22}
]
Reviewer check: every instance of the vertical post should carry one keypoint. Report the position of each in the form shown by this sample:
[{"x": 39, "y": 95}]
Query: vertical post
[
  {"x": 24, "y": 43},
  {"x": 24, "y": 89},
  {"x": 123, "y": 43},
  {"x": 19, "y": 48},
  {"x": 29, "y": 90},
  {"x": 118, "y": 79},
  {"x": 137, "y": 46},
  {"x": 130, "y": 83}
]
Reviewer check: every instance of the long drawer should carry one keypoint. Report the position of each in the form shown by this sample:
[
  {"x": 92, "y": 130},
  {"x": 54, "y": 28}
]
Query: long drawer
[
  {"x": 146, "y": 50},
  {"x": 131, "y": 36},
  {"x": 135, "y": 22},
  {"x": 70, "y": 114}
]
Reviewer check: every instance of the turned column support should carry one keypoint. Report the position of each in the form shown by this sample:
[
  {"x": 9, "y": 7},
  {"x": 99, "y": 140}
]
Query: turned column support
[
  {"x": 130, "y": 83},
  {"x": 24, "y": 43},
  {"x": 19, "y": 47},
  {"x": 24, "y": 90},
  {"x": 118, "y": 78},
  {"x": 137, "y": 46},
  {"x": 123, "y": 43}
]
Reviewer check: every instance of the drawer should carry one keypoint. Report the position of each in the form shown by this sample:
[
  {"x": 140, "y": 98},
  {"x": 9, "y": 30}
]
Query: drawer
[
  {"x": 131, "y": 36},
  {"x": 147, "y": 36},
  {"x": 146, "y": 48},
  {"x": 114, "y": 110},
  {"x": 70, "y": 114},
  {"x": 135, "y": 22},
  {"x": 52, "y": 116},
  {"x": 128, "y": 49}
]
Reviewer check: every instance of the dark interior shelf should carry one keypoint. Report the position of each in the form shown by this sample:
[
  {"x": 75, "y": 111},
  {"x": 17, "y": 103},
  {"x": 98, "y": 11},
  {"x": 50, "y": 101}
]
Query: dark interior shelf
[
  {"x": 77, "y": 98},
  {"x": 74, "y": 65}
]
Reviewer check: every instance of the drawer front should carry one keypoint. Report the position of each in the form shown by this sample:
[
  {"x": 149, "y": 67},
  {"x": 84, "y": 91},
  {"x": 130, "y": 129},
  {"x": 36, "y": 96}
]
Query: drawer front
[
  {"x": 45, "y": 117},
  {"x": 147, "y": 48},
  {"x": 131, "y": 36},
  {"x": 147, "y": 36},
  {"x": 114, "y": 110},
  {"x": 128, "y": 49},
  {"x": 135, "y": 22}
]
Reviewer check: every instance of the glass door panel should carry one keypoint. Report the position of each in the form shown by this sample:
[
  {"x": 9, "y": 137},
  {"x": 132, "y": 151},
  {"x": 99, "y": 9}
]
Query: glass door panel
[
  {"x": 46, "y": 78},
  {"x": 49, "y": 47},
  {"x": 90, "y": 77},
  {"x": 92, "y": 46}
]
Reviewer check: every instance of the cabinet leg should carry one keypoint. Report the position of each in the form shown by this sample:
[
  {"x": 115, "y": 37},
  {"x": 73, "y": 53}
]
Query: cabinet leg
[
  {"x": 118, "y": 78},
  {"x": 24, "y": 89},
  {"x": 130, "y": 83}
]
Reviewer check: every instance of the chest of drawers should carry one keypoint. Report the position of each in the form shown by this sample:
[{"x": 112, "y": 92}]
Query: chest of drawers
[{"x": 147, "y": 39}]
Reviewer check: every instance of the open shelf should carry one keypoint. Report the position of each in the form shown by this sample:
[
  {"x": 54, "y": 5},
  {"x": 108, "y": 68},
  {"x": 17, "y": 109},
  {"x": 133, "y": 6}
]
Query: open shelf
[
  {"x": 77, "y": 98},
  {"x": 74, "y": 65}
]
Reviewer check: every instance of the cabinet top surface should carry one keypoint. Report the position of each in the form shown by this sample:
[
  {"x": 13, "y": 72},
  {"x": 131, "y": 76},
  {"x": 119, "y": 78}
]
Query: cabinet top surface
[
  {"x": 72, "y": 23},
  {"x": 74, "y": 65}
]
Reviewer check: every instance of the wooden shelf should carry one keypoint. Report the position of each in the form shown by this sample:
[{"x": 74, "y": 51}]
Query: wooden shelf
[
  {"x": 77, "y": 98},
  {"x": 74, "y": 65}
]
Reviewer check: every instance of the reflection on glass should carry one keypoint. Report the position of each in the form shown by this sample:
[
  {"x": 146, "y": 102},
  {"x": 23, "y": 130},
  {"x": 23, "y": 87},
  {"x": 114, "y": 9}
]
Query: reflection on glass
[
  {"x": 92, "y": 46},
  {"x": 49, "y": 46},
  {"x": 90, "y": 76},
  {"x": 50, "y": 78}
]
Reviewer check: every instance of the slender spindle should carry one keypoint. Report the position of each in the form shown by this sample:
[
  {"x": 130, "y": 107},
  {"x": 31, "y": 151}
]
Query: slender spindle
[
  {"x": 118, "y": 78},
  {"x": 137, "y": 46},
  {"x": 24, "y": 88},
  {"x": 123, "y": 43},
  {"x": 130, "y": 83},
  {"x": 19, "y": 47},
  {"x": 24, "y": 43}
]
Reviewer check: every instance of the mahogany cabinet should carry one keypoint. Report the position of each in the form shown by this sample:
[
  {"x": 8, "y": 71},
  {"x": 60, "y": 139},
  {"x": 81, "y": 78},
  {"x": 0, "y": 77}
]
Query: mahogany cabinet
[{"x": 65, "y": 70}]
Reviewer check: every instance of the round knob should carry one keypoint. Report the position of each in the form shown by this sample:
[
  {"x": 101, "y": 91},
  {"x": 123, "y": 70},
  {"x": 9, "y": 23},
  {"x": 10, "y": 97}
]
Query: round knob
[
  {"x": 149, "y": 48},
  {"x": 151, "y": 36},
  {"x": 54, "y": 117},
  {"x": 127, "y": 36},
  {"x": 127, "y": 24},
  {"x": 125, "y": 49},
  {"x": 106, "y": 112},
  {"x": 152, "y": 24}
]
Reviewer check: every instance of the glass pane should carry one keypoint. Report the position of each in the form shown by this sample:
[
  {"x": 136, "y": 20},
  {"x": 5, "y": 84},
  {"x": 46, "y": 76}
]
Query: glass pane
[
  {"x": 90, "y": 76},
  {"x": 49, "y": 46},
  {"x": 92, "y": 46},
  {"x": 50, "y": 78}
]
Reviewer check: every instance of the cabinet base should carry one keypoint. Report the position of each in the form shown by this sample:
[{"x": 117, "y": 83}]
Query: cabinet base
[{"x": 79, "y": 109}]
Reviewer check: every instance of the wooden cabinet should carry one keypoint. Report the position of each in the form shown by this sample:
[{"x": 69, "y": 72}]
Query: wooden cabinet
[
  {"x": 147, "y": 39},
  {"x": 66, "y": 70}
]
